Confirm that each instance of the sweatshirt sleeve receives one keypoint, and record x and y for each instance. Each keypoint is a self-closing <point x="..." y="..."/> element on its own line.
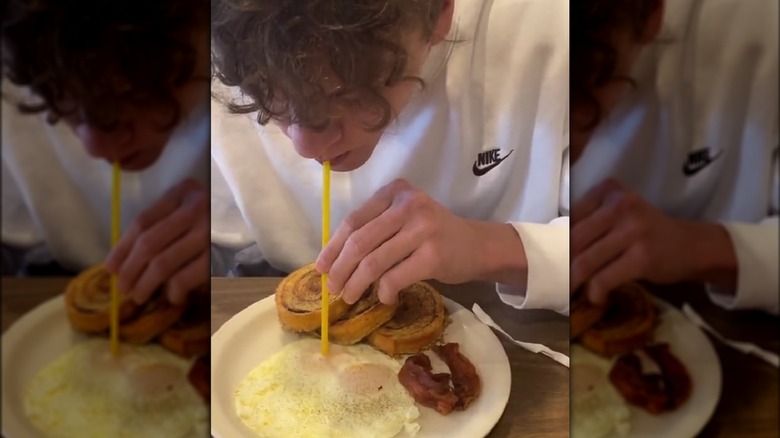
<point x="547" y="253"/>
<point x="18" y="223"/>
<point x="757" y="247"/>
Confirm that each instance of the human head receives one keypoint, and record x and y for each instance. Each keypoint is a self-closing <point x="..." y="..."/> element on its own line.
<point x="121" y="74"/>
<point x="333" y="74"/>
<point x="606" y="38"/>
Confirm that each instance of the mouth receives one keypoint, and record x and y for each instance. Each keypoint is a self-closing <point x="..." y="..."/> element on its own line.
<point x="129" y="160"/>
<point x="137" y="161"/>
<point x="335" y="161"/>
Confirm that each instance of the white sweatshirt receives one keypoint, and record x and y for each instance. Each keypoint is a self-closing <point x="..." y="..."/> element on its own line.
<point x="55" y="194"/>
<point x="698" y="137"/>
<point x="504" y="87"/>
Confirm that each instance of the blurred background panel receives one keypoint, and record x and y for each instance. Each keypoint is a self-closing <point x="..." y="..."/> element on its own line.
<point x="92" y="91"/>
<point x="675" y="191"/>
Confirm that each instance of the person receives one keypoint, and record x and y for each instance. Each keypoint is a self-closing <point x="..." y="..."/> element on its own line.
<point x="445" y="123"/>
<point x="89" y="84"/>
<point x="675" y="147"/>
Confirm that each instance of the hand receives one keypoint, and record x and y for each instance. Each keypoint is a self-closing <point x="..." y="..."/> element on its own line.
<point x="401" y="236"/>
<point x="617" y="237"/>
<point x="168" y="244"/>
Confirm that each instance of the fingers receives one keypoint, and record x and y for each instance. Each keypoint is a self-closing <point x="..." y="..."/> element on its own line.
<point x="170" y="261"/>
<point x="119" y="254"/>
<point x="152" y="249"/>
<point x="375" y="206"/>
<point x="357" y="248"/>
<point x="620" y="271"/>
<point x="162" y="208"/>
<point x="596" y="225"/>
<point x="598" y="255"/>
<point x="165" y="239"/>
<point x="375" y="265"/>
<point x="593" y="200"/>
<point x="194" y="274"/>
<point x="353" y="222"/>
<point x="409" y="271"/>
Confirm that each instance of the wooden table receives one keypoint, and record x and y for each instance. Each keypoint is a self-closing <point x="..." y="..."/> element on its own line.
<point x="20" y="295"/>
<point x="748" y="405"/>
<point x="539" y="400"/>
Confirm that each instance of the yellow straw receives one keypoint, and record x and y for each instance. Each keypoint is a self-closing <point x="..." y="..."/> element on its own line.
<point x="115" y="223"/>
<point x="325" y="238"/>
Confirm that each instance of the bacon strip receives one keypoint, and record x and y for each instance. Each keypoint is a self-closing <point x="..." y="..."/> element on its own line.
<point x="434" y="390"/>
<point x="644" y="391"/>
<point x="653" y="392"/>
<point x="428" y="389"/>
<point x="676" y="378"/>
<point x="465" y="379"/>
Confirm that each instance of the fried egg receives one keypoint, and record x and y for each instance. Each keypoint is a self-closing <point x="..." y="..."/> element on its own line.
<point x="352" y="392"/>
<point x="142" y="392"/>
<point x="598" y="410"/>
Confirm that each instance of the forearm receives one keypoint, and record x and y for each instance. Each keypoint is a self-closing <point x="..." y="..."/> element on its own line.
<point x="501" y="255"/>
<point x="711" y="253"/>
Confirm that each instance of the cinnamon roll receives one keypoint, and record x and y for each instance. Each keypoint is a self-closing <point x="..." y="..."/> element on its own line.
<point x="191" y="335"/>
<point x="628" y="322"/>
<point x="417" y="323"/>
<point x="156" y="315"/>
<point x="365" y="316"/>
<point x="88" y="301"/>
<point x="299" y="301"/>
<point x="584" y="314"/>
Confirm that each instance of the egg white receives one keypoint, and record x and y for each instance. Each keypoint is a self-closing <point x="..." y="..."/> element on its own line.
<point x="143" y="392"/>
<point x="597" y="409"/>
<point x="352" y="392"/>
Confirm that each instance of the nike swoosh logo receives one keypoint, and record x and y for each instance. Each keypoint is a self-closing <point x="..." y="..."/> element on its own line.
<point x="481" y="171"/>
<point x="690" y="169"/>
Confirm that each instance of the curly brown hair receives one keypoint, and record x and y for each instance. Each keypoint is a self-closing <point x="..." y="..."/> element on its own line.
<point x="594" y="25"/>
<point x="92" y="58"/>
<point x="277" y="52"/>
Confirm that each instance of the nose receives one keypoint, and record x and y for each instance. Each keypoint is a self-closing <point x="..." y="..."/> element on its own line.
<point x="315" y="144"/>
<point x="110" y="145"/>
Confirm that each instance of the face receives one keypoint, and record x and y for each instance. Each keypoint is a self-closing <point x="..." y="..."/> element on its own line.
<point x="346" y="142"/>
<point x="142" y="134"/>
<point x="609" y="95"/>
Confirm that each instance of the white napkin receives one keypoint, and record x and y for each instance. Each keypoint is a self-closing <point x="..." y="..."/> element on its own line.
<point x="533" y="348"/>
<point x="744" y="347"/>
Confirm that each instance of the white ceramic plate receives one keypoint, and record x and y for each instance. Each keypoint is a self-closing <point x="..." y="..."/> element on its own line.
<point x="689" y="344"/>
<point x="32" y="342"/>
<point x="254" y="334"/>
